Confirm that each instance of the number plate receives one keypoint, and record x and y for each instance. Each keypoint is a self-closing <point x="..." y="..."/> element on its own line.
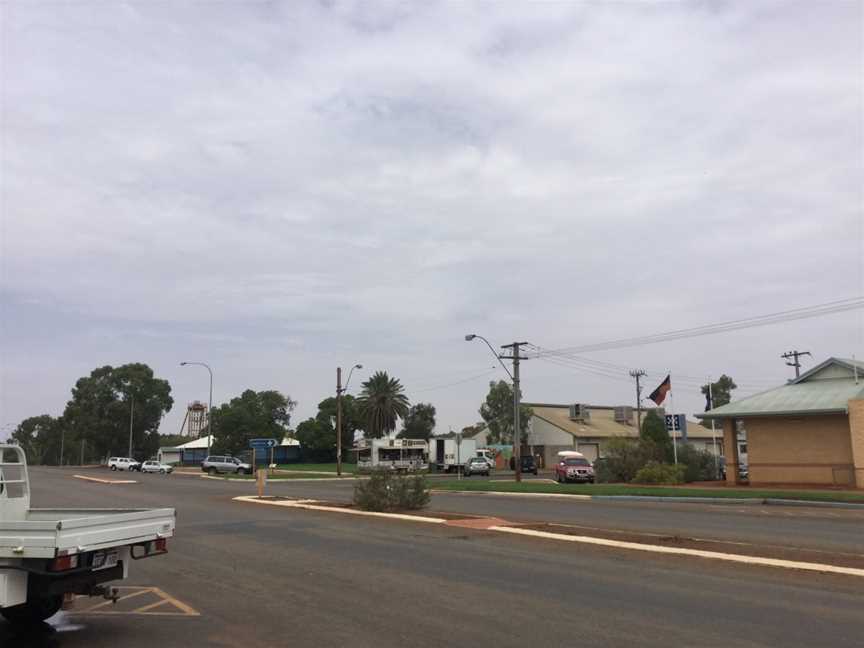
<point x="105" y="559"/>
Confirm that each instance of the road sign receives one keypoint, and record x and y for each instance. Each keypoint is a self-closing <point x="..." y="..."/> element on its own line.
<point x="262" y="444"/>
<point x="677" y="423"/>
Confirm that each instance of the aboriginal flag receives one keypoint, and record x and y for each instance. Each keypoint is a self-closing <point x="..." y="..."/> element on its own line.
<point x="659" y="394"/>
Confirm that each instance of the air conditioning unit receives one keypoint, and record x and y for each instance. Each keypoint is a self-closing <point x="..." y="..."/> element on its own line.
<point x="624" y="414"/>
<point x="580" y="412"/>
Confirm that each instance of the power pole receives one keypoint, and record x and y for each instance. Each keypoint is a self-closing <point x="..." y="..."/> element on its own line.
<point x="637" y="374"/>
<point x="517" y="398"/>
<point x="338" y="421"/>
<point x="795" y="363"/>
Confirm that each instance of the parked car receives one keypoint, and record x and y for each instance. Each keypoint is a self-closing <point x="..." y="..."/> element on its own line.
<point x="477" y="466"/>
<point x="528" y="463"/>
<point x="573" y="468"/>
<point x="156" y="467"/>
<point x="225" y="464"/>
<point x="123" y="463"/>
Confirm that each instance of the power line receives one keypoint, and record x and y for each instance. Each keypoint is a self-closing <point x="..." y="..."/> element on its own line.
<point x="618" y="372"/>
<point x="805" y="312"/>
<point x="458" y="382"/>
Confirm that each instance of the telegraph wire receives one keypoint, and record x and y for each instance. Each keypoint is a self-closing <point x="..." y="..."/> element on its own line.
<point x="805" y="312"/>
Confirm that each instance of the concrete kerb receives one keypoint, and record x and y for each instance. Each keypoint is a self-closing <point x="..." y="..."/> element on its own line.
<point x="310" y="506"/>
<point x="97" y="480"/>
<point x="738" y="501"/>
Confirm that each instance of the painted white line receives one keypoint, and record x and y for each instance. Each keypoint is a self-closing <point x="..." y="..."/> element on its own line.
<point x="554" y="495"/>
<point x="105" y="481"/>
<point x="680" y="551"/>
<point x="305" y="504"/>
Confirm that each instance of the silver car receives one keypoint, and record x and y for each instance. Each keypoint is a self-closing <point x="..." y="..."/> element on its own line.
<point x="225" y="464"/>
<point x="477" y="466"/>
<point x="156" y="467"/>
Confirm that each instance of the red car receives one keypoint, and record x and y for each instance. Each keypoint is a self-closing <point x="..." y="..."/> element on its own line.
<point x="573" y="466"/>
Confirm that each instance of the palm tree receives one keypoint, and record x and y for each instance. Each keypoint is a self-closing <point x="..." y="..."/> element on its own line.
<point x="381" y="402"/>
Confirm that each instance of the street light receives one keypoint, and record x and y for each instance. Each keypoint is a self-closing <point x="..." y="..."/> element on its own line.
<point x="339" y="391"/>
<point x="209" y="403"/>
<point x="471" y="336"/>
<point x="517" y="442"/>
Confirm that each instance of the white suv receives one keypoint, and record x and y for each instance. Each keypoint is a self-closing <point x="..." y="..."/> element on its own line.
<point x="123" y="463"/>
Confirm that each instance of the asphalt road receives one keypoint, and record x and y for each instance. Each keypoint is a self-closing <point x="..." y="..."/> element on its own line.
<point x="267" y="576"/>
<point x="825" y="529"/>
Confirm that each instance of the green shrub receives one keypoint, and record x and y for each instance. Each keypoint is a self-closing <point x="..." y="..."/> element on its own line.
<point x="389" y="491"/>
<point x="654" y="431"/>
<point x="700" y="463"/>
<point x="657" y="473"/>
<point x="622" y="458"/>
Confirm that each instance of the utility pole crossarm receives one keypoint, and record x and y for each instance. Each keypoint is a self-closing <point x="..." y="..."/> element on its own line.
<point x="795" y="354"/>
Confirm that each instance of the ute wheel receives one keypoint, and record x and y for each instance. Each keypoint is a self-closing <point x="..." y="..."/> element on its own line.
<point x="211" y="471"/>
<point x="33" y="611"/>
<point x="161" y="471"/>
<point x="114" y="468"/>
<point x="241" y="471"/>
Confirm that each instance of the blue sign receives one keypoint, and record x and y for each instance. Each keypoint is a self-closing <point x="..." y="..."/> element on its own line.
<point x="677" y="423"/>
<point x="262" y="444"/>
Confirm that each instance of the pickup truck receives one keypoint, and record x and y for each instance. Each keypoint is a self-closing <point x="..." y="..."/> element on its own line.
<point x="47" y="553"/>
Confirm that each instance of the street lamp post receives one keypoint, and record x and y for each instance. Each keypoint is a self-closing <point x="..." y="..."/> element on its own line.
<point x="209" y="402"/>
<point x="517" y="441"/>
<point x="339" y="391"/>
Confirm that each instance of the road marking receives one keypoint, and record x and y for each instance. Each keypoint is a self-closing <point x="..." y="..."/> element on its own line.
<point x="154" y="607"/>
<point x="151" y="606"/>
<point x="105" y="481"/>
<point x="303" y="504"/>
<point x="680" y="551"/>
<point x="104" y="604"/>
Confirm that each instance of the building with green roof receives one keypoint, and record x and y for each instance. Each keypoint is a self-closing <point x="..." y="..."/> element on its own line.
<point x="808" y="431"/>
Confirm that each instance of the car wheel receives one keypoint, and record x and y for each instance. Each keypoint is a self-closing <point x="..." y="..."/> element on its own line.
<point x="241" y="471"/>
<point x="161" y="471"/>
<point x="33" y="611"/>
<point x="114" y="468"/>
<point x="211" y="471"/>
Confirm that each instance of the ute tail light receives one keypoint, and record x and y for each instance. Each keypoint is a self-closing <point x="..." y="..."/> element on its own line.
<point x="157" y="546"/>
<point x="64" y="563"/>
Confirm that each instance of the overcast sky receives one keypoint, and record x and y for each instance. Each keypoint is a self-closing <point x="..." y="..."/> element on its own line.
<point x="280" y="188"/>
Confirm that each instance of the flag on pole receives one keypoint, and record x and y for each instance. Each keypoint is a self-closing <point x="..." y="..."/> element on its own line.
<point x="659" y="394"/>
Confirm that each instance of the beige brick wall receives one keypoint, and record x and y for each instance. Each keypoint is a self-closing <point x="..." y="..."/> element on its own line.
<point x="731" y="451"/>
<point x="856" y="428"/>
<point x="807" y="449"/>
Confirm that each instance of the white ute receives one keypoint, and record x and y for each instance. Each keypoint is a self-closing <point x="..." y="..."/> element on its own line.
<point x="46" y="553"/>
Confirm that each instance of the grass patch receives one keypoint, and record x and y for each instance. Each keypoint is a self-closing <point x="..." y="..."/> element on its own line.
<point x="317" y="467"/>
<point x="649" y="491"/>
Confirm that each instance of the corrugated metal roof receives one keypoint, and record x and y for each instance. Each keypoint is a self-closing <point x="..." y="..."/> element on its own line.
<point x="812" y="393"/>
<point x="602" y="422"/>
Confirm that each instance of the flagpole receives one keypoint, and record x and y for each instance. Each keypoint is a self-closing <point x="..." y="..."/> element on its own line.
<point x="672" y="405"/>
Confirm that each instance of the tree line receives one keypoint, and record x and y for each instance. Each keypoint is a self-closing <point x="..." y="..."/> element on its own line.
<point x="114" y="402"/>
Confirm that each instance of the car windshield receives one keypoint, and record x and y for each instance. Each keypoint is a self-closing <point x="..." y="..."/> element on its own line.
<point x="577" y="461"/>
